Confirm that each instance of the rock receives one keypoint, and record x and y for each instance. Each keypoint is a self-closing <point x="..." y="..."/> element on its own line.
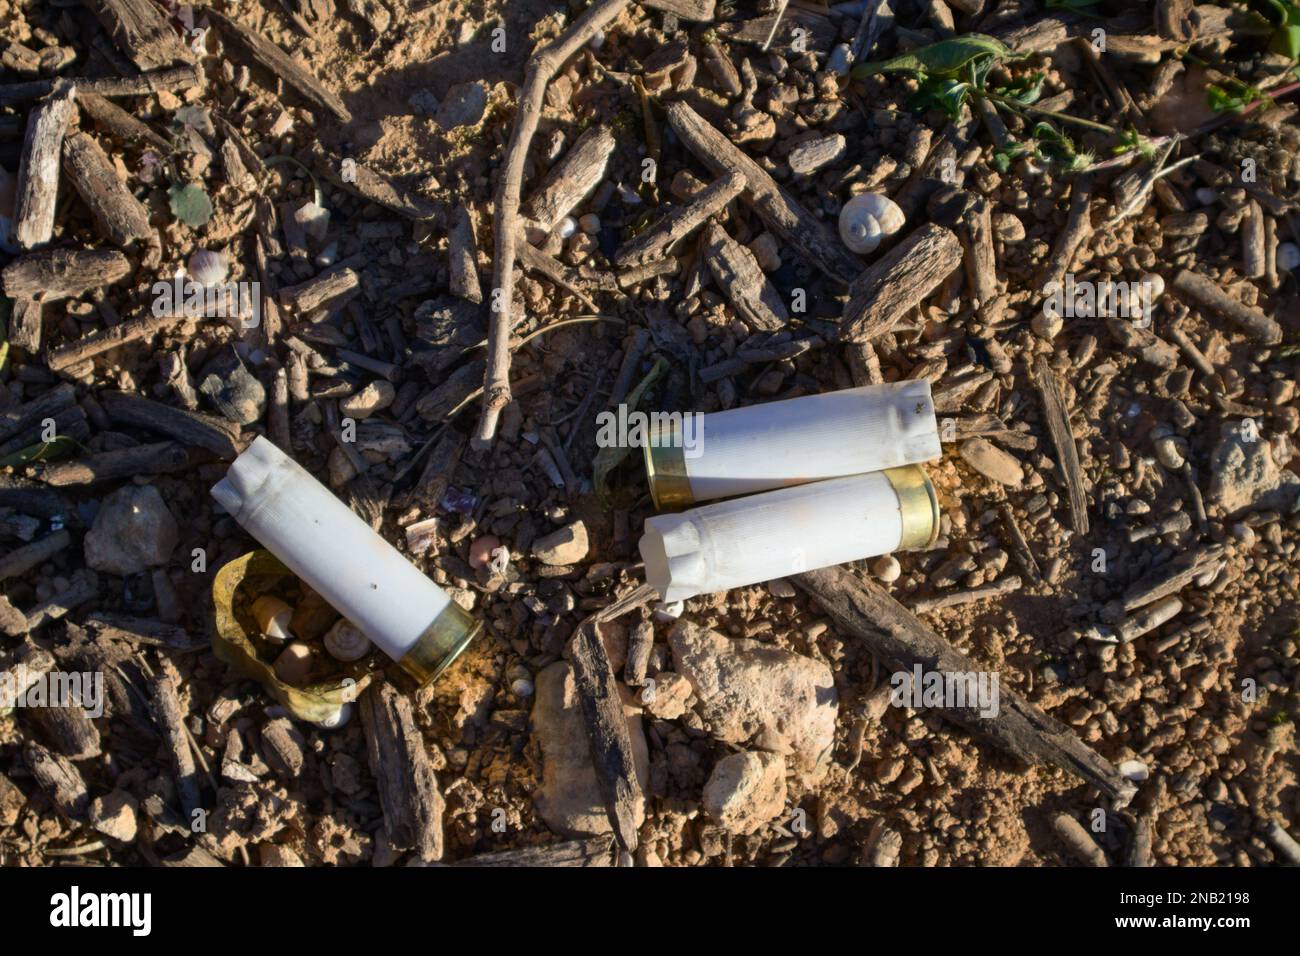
<point x="464" y="105"/>
<point x="666" y="698"/>
<point x="423" y="102"/>
<point x="293" y="666"/>
<point x="745" y="791"/>
<point x="116" y="815"/>
<point x="569" y="799"/>
<point x="752" y="693"/>
<point x="781" y="588"/>
<point x="133" y="532"/>
<point x="886" y="569"/>
<point x="239" y="396"/>
<point x="566" y="546"/>
<point x="812" y="155"/>
<point x="1244" y="476"/>
<point x="271" y="854"/>
<point x="375" y="397"/>
<point x="992" y="462"/>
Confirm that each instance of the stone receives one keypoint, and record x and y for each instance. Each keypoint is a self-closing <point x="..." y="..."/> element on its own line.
<point x="423" y="102"/>
<point x="464" y="105"/>
<point x="375" y="397"/>
<point x="116" y="814"/>
<point x="745" y="791"/>
<point x="1244" y="475"/>
<point x="569" y="799"/>
<point x="272" y="854"/>
<point x="667" y="697"/>
<point x="134" y="531"/>
<point x="568" y="545"/>
<point x="12" y="802"/>
<point x="992" y="462"/>
<point x="754" y="694"/>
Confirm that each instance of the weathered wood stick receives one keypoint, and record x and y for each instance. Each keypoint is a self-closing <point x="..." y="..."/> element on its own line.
<point x="1253" y="253"/>
<point x="170" y="720"/>
<point x="1058" y="425"/>
<point x="151" y="459"/>
<point x="53" y="274"/>
<point x="121" y="218"/>
<point x="700" y="11"/>
<point x="1077" y="840"/>
<point x="1002" y="586"/>
<point x="318" y="290"/>
<point x="1203" y="293"/>
<point x="140" y="31"/>
<point x="59" y="778"/>
<point x="778" y="210"/>
<point x="23" y="668"/>
<point x="592" y="852"/>
<point x="189" y="428"/>
<point x="1078" y="227"/>
<point x="463" y="258"/>
<point x="1019" y="546"/>
<point x="898" y="282"/>
<point x="71" y="423"/>
<point x="107" y="625"/>
<point x="611" y="745"/>
<point x="893" y="633"/>
<point x="353" y="177"/>
<point x="1169" y="578"/>
<point x="399" y="761"/>
<point x="38" y="169"/>
<point x="542" y="66"/>
<point x="738" y="275"/>
<point x="756" y="356"/>
<point x="21" y="560"/>
<point x="535" y="260"/>
<point x="26" y="325"/>
<point x="173" y="78"/>
<point x="116" y="121"/>
<point x="67" y="728"/>
<point x="663" y="233"/>
<point x="97" y="343"/>
<point x="281" y="64"/>
<point x="571" y="179"/>
<point x="83" y="587"/>
<point x="48" y="403"/>
<point x="971" y="215"/>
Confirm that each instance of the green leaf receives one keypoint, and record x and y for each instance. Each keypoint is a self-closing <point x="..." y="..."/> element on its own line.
<point x="41" y="451"/>
<point x="1286" y="39"/>
<point x="944" y="94"/>
<point x="190" y="204"/>
<point x="609" y="458"/>
<point x="1235" y="100"/>
<point x="1024" y="90"/>
<point x="945" y="58"/>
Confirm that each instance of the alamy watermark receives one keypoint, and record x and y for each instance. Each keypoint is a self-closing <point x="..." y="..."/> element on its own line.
<point x="221" y="300"/>
<point x="951" y="690"/>
<point x="23" y="687"/>
<point x="626" y="428"/>
<point x="1070" y="299"/>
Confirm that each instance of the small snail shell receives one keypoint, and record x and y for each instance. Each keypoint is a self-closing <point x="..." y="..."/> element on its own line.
<point x="345" y="642"/>
<point x="337" y="719"/>
<point x="1288" y="256"/>
<point x="208" y="268"/>
<point x="867" y="220"/>
<point x="273" y="617"/>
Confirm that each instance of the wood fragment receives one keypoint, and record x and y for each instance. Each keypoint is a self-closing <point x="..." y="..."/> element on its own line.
<point x="53" y="274"/>
<point x="140" y="30"/>
<point x="1170" y="578"/>
<point x="60" y="779"/>
<point x="349" y="175"/>
<point x="170" y="719"/>
<point x="742" y="281"/>
<point x="21" y="560"/>
<point x="779" y="211"/>
<point x="899" y="638"/>
<point x="97" y="343"/>
<point x="543" y="65"/>
<point x="899" y="281"/>
<point x="1057" y="415"/>
<point x="956" y="598"/>
<point x="1078" y="227"/>
<point x="83" y="587"/>
<point x="571" y="179"/>
<point x="171" y="79"/>
<point x="1077" y="840"/>
<point x="320" y="290"/>
<point x="109" y="625"/>
<point x="658" y="239"/>
<point x="611" y="745"/>
<point x="1202" y="293"/>
<point x="67" y="727"/>
<point x="119" y="216"/>
<point x="1024" y="555"/>
<point x="399" y="761"/>
<point x="698" y="11"/>
<point x="38" y="169"/>
<point x="116" y="121"/>
<point x="149" y="459"/>
<point x="189" y="428"/>
<point x="269" y="56"/>
<point x="463" y="255"/>
<point x="593" y="852"/>
<point x="536" y="261"/>
<point x="26" y="325"/>
<point x="50" y="402"/>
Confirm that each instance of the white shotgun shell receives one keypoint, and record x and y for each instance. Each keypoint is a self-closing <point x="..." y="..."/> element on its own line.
<point x="790" y="442"/>
<point x="365" y="578"/>
<point x="732" y="544"/>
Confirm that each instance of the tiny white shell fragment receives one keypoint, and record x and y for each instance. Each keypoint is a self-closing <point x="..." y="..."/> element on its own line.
<point x="1134" y="770"/>
<point x="522" y="687"/>
<point x="867" y="220"/>
<point x="1207" y="196"/>
<point x="567" y="227"/>
<point x="337" y="719"/>
<point x="345" y="642"/>
<point x="208" y="268"/>
<point x="1288" y="256"/>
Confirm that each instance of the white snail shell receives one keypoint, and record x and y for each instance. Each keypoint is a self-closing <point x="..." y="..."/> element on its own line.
<point x="1288" y="256"/>
<point x="1134" y="770"/>
<point x="345" y="642"/>
<point x="337" y="719"/>
<point x="208" y="268"/>
<point x="867" y="220"/>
